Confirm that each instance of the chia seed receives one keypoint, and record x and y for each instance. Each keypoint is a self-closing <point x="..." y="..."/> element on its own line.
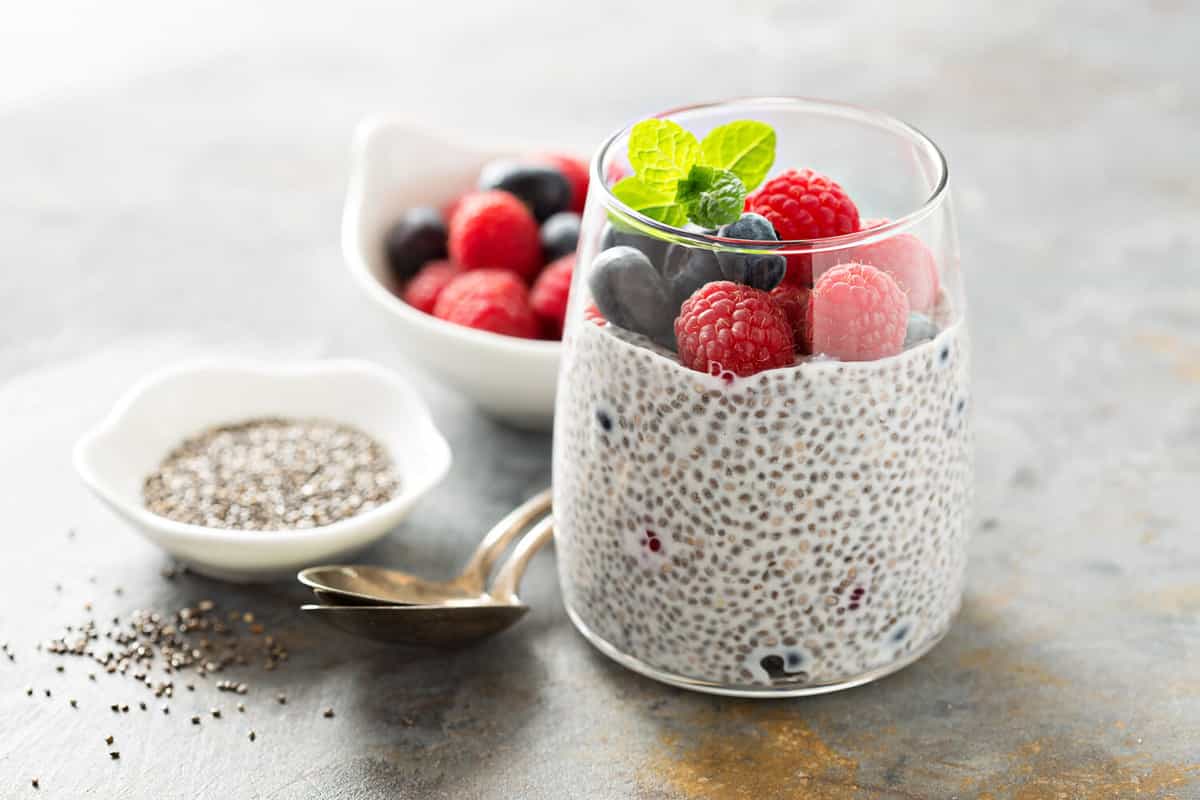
<point x="272" y="474"/>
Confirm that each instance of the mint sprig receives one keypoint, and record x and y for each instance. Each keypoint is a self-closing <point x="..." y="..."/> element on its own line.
<point x="745" y="147"/>
<point x="678" y="178"/>
<point x="661" y="151"/>
<point x="656" y="201"/>
<point x="712" y="197"/>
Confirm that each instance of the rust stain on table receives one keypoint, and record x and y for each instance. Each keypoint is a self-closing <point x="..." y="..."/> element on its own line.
<point x="1053" y="769"/>
<point x="739" y="754"/>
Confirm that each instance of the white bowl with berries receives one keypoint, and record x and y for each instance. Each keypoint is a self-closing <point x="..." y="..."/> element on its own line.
<point x="468" y="250"/>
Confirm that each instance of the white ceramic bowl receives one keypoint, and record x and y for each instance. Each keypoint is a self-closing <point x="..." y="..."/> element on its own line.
<point x="164" y="408"/>
<point x="396" y="166"/>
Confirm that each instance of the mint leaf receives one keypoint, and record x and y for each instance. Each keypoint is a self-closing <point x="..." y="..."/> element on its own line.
<point x="745" y="147"/>
<point x="661" y="152"/>
<point x="712" y="197"/>
<point x="655" y="201"/>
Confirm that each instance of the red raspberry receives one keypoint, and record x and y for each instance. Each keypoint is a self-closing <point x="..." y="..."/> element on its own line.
<point x="489" y="300"/>
<point x="803" y="204"/>
<point x="727" y="327"/>
<point x="859" y="313"/>
<point x="575" y="170"/>
<point x="906" y="258"/>
<point x="423" y="290"/>
<point x="594" y="316"/>
<point x="549" y="295"/>
<point x="796" y="303"/>
<point x="494" y="230"/>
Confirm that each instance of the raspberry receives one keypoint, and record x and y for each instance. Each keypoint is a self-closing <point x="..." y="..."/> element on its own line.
<point x="494" y="230"/>
<point x="489" y="300"/>
<point x="726" y="327"/>
<point x="906" y="258"/>
<point x="594" y="316"/>
<point x="859" y="313"/>
<point x="803" y="204"/>
<point x="796" y="303"/>
<point x="549" y="295"/>
<point x="799" y="271"/>
<point x="423" y="290"/>
<point x="575" y="170"/>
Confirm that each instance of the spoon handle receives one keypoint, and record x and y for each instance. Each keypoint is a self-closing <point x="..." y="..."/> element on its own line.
<point x="501" y="534"/>
<point x="505" y="588"/>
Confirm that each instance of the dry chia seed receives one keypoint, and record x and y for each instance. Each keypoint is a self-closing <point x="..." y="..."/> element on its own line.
<point x="272" y="474"/>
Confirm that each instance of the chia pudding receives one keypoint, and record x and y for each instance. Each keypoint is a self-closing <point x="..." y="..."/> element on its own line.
<point x="762" y="450"/>
<point x="798" y="527"/>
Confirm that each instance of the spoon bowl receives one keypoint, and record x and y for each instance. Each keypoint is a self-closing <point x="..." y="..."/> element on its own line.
<point x="443" y="626"/>
<point x="379" y="586"/>
<point x="454" y="622"/>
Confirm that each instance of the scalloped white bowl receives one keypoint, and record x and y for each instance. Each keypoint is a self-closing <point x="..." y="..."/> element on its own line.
<point x="396" y="165"/>
<point x="164" y="408"/>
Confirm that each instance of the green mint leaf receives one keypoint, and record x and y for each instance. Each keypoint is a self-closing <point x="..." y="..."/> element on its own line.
<point x="711" y="196"/>
<point x="745" y="147"/>
<point x="661" y="152"/>
<point x="655" y="201"/>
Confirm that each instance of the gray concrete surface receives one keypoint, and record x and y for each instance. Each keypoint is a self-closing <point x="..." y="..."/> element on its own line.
<point x="189" y="204"/>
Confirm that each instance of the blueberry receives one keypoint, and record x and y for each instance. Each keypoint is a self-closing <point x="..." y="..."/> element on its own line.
<point x="418" y="236"/>
<point x="763" y="271"/>
<point x="686" y="269"/>
<point x="543" y="188"/>
<point x="631" y="294"/>
<point x="618" y="236"/>
<point x="604" y="419"/>
<point x="750" y="227"/>
<point x="560" y="235"/>
<point x="773" y="666"/>
<point x="920" y="329"/>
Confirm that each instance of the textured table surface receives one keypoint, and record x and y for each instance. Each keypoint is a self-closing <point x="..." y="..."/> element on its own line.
<point x="172" y="182"/>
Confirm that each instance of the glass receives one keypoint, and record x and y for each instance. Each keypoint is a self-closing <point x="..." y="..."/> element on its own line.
<point x="794" y="531"/>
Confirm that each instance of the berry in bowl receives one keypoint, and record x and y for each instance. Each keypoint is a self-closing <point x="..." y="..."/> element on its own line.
<point x="762" y="457"/>
<point x="469" y="251"/>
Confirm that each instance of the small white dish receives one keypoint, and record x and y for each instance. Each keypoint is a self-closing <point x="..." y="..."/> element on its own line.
<point x="395" y="166"/>
<point x="168" y="406"/>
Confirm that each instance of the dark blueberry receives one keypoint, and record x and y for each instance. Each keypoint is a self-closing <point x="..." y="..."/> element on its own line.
<point x="686" y="269"/>
<point x="631" y="294"/>
<point x="541" y="187"/>
<point x="560" y="235"/>
<point x="750" y="227"/>
<point x="615" y="236"/>
<point x="773" y="665"/>
<point x="961" y="405"/>
<point x="900" y="633"/>
<point x="763" y="271"/>
<point x="793" y="659"/>
<point x="604" y="419"/>
<point x="419" y="236"/>
<point x="920" y="329"/>
<point x="944" y="355"/>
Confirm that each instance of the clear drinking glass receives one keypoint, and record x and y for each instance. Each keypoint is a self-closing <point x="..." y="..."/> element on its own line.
<point x="799" y="530"/>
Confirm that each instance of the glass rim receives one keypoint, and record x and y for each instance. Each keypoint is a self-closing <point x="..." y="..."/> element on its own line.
<point x="847" y="111"/>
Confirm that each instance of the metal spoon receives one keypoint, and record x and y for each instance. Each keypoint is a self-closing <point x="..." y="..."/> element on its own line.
<point x="454" y="622"/>
<point x="370" y="586"/>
